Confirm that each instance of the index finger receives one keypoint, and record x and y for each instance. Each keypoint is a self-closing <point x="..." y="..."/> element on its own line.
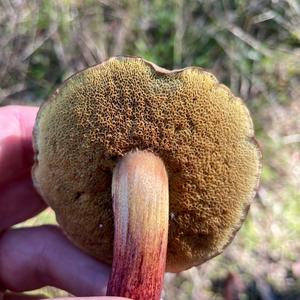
<point x="18" y="198"/>
<point x="16" y="153"/>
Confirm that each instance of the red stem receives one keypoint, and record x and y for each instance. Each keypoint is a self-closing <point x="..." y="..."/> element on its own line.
<point x="141" y="209"/>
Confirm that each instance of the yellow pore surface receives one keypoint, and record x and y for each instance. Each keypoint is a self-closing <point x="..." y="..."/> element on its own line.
<point x="201" y="131"/>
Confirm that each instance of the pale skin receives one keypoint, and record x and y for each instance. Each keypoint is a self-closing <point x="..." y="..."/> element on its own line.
<point x="31" y="258"/>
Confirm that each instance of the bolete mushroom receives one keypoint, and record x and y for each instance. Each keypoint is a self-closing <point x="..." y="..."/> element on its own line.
<point x="178" y="151"/>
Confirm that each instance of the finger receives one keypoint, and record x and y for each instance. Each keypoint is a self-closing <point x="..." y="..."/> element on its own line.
<point x="14" y="296"/>
<point x="19" y="201"/>
<point x="90" y="298"/>
<point x="16" y="154"/>
<point x="31" y="258"/>
<point x="18" y="198"/>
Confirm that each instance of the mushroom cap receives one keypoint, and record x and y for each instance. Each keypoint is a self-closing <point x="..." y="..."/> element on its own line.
<point x="202" y="132"/>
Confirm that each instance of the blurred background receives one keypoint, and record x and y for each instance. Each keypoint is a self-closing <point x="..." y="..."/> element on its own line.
<point x="251" y="46"/>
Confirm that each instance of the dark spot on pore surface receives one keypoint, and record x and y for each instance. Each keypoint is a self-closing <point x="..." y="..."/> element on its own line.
<point x="114" y="158"/>
<point x="78" y="194"/>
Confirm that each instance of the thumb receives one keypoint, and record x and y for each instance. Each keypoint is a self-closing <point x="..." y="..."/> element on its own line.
<point x="31" y="258"/>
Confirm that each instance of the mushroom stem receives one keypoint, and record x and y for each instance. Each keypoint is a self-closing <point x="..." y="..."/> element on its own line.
<point x="141" y="209"/>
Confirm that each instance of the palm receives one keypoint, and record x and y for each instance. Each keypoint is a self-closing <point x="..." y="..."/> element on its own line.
<point x="34" y="257"/>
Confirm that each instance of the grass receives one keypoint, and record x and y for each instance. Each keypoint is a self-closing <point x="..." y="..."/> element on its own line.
<point x="253" y="47"/>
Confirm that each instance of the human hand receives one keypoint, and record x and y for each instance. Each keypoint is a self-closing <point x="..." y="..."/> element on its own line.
<point x="31" y="258"/>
